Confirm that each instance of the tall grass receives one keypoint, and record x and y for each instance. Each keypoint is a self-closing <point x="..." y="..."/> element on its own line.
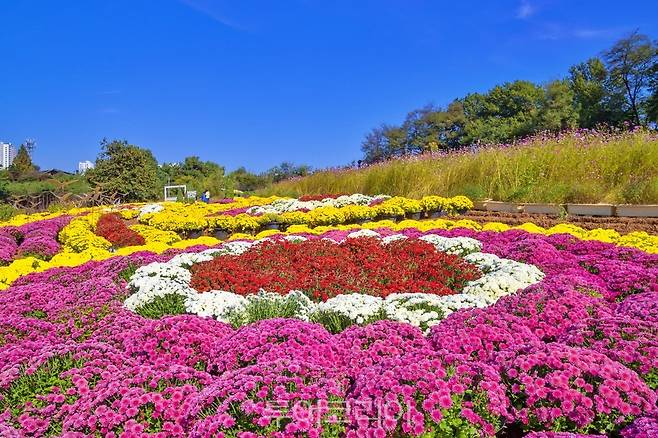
<point x="577" y="166"/>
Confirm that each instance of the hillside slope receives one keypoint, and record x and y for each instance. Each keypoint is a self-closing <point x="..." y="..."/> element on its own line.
<point x="578" y="166"/>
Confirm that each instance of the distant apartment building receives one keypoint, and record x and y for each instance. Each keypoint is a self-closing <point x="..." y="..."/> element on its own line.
<point x="84" y="166"/>
<point x="8" y="154"/>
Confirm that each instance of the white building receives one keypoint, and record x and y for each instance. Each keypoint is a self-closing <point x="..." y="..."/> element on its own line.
<point x="8" y="154"/>
<point x="84" y="166"/>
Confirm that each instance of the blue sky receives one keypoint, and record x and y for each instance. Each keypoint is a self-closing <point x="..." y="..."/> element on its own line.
<point x="254" y="83"/>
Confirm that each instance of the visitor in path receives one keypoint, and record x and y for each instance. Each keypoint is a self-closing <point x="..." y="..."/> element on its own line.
<point x="205" y="196"/>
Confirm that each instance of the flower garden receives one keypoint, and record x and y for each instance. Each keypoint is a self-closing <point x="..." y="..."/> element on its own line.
<point x="324" y="316"/>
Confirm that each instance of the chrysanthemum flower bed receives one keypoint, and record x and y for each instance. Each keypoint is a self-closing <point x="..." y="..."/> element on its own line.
<point x="49" y="240"/>
<point x="552" y="335"/>
<point x="360" y="278"/>
<point x="35" y="239"/>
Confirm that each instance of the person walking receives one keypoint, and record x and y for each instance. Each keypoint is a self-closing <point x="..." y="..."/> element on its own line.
<point x="205" y="196"/>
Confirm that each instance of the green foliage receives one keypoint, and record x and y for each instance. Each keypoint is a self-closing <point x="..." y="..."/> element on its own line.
<point x="652" y="105"/>
<point x="382" y="143"/>
<point x="619" y="169"/>
<point x="37" y="314"/>
<point x="128" y="272"/>
<point x="242" y="181"/>
<point x="126" y="169"/>
<point x="170" y="304"/>
<point x="7" y="212"/>
<point x="245" y="181"/>
<point x="260" y="308"/>
<point x="336" y="322"/>
<point x="633" y="62"/>
<point x="36" y="183"/>
<point x="22" y="166"/>
<point x="197" y="175"/>
<point x="200" y="175"/>
<point x="595" y="102"/>
<point x="557" y="111"/>
<point x="506" y="112"/>
<point x="287" y="170"/>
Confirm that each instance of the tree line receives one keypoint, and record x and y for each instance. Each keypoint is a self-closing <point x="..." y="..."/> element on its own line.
<point x="134" y="172"/>
<point x="619" y="88"/>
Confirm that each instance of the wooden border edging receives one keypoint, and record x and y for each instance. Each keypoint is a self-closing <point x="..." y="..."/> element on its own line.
<point x="602" y="210"/>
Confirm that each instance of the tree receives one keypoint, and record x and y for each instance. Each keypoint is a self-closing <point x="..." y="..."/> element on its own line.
<point x="419" y="130"/>
<point x="557" y="111"/>
<point x="126" y="169"/>
<point x="382" y="143"/>
<point x="447" y="127"/>
<point x="631" y="62"/>
<point x="431" y="129"/>
<point x="287" y="170"/>
<point x="246" y="181"/>
<point x="506" y="112"/>
<point x="596" y="102"/>
<point x="196" y="174"/>
<point x="22" y="166"/>
<point x="652" y="101"/>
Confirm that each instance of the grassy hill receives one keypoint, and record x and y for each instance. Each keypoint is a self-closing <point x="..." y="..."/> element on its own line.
<point x="578" y="166"/>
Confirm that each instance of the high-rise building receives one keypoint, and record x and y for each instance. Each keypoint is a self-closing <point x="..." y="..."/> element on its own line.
<point x="8" y="154"/>
<point x="84" y="166"/>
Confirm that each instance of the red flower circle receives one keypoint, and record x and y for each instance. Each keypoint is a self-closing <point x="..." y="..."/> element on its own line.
<point x="324" y="269"/>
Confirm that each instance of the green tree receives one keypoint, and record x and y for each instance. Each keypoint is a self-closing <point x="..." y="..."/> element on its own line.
<point x="652" y="101"/>
<point x="197" y="175"/>
<point x="596" y="102"/>
<point x="382" y="143"/>
<point x="246" y="181"/>
<point x="430" y="129"/>
<point x="448" y="127"/>
<point x="632" y="62"/>
<point x="506" y="112"/>
<point x="419" y="130"/>
<point x="126" y="169"/>
<point x="22" y="167"/>
<point x="557" y="111"/>
<point x="287" y="170"/>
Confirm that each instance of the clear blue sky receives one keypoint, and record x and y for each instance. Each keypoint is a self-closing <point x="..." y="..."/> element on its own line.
<point x="253" y="83"/>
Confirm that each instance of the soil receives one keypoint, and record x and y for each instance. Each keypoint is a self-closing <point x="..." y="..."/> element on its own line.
<point x="623" y="225"/>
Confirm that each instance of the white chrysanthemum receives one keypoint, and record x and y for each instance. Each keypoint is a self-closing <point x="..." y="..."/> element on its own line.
<point x="263" y="240"/>
<point x="501" y="276"/>
<point x="235" y="247"/>
<point x="186" y="260"/>
<point x="453" y="245"/>
<point x="357" y="307"/>
<point x="150" y="208"/>
<point x="157" y="280"/>
<point x="217" y="304"/>
<point x="363" y="233"/>
<point x="393" y="238"/>
<point x="280" y="206"/>
<point x="426" y="310"/>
